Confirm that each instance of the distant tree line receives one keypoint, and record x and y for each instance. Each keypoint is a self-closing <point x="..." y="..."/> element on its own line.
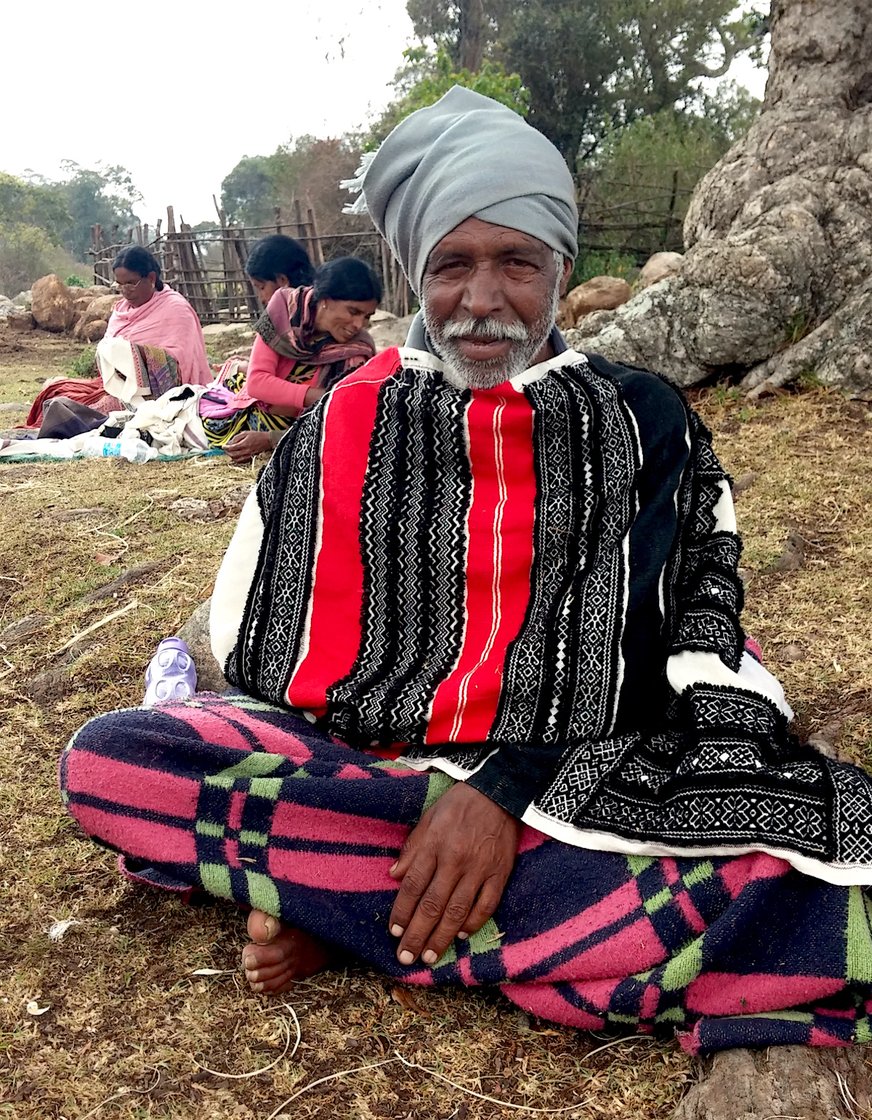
<point x="618" y="85"/>
<point x="45" y="225"/>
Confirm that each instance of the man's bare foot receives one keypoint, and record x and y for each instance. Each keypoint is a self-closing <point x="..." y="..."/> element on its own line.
<point x="278" y="954"/>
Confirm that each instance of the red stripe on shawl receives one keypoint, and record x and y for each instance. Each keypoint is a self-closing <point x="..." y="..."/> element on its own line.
<point x="621" y="903"/>
<point x="823" y="1038"/>
<point x="135" y="836"/>
<point x="736" y="874"/>
<point x="728" y="993"/>
<point x="626" y="950"/>
<point x="337" y="592"/>
<point x="224" y="724"/>
<point x="500" y="528"/>
<point x="135" y="787"/>
<point x="340" y="872"/>
<point x="546" y="1002"/>
<point x="236" y="809"/>
<point x="331" y="826"/>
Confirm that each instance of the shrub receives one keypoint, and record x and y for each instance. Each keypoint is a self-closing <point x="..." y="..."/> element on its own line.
<point x="609" y="263"/>
<point x="24" y="255"/>
<point x="83" y="365"/>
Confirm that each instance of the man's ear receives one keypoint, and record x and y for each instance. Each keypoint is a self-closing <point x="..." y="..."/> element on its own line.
<point x="567" y="272"/>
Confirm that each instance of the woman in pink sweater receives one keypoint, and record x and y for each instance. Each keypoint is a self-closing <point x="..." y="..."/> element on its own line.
<point x="307" y="339"/>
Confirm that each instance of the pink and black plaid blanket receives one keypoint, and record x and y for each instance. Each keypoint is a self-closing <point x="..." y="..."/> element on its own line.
<point x="251" y="803"/>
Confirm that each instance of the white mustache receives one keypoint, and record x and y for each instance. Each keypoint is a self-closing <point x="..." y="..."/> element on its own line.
<point x="489" y="330"/>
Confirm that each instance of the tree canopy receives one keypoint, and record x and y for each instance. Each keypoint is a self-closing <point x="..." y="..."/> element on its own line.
<point x="308" y="170"/>
<point x="104" y="196"/>
<point x="589" y="67"/>
<point x="45" y="225"/>
<point x="425" y="77"/>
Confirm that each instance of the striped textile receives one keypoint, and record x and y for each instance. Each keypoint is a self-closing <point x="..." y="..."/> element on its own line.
<point x="252" y="803"/>
<point x="534" y="588"/>
<point x="252" y="417"/>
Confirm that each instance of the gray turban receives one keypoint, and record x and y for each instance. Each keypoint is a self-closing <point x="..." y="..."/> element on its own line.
<point x="467" y="157"/>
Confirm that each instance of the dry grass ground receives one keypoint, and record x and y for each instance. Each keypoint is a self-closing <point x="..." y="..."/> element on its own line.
<point x="128" y="1024"/>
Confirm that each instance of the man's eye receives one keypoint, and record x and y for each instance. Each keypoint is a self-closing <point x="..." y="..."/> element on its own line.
<point x="450" y="267"/>
<point x="517" y="267"/>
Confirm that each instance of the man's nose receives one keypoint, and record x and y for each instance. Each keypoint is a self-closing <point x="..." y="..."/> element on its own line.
<point x="482" y="294"/>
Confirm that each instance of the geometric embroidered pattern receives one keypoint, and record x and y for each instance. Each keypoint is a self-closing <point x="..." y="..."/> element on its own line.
<point x="580" y="683"/>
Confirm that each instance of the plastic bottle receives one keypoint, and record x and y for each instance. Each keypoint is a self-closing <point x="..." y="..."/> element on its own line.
<point x="128" y="447"/>
<point x="96" y="447"/>
<point x="171" y="674"/>
<point x="135" y="450"/>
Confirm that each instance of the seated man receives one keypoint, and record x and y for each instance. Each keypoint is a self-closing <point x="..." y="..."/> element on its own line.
<point x="497" y="722"/>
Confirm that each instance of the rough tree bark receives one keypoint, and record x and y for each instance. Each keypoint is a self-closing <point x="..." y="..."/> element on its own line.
<point x="785" y="1081"/>
<point x="777" y="279"/>
<point x="472" y="20"/>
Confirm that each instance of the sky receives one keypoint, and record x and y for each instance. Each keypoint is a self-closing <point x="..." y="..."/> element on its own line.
<point x="178" y="91"/>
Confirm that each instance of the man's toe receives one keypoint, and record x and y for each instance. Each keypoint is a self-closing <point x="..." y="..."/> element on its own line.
<point x="262" y="927"/>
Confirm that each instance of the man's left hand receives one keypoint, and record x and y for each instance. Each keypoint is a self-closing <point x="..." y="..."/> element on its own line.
<point x="453" y="868"/>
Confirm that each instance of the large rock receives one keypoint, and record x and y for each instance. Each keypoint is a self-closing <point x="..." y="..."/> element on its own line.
<point x="19" y="320"/>
<point x="640" y="333"/>
<point x="602" y="293"/>
<point x="93" y="331"/>
<point x="7" y="307"/>
<point x="657" y="268"/>
<point x="82" y="297"/>
<point x="387" y="330"/>
<point x="94" y="316"/>
<point x="196" y="633"/>
<point x="52" y="305"/>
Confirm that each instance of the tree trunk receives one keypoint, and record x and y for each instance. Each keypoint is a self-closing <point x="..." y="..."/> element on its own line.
<point x="784" y="1081"/>
<point x="471" y="35"/>
<point x="777" y="278"/>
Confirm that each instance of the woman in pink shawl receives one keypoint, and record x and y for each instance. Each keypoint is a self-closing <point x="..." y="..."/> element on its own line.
<point x="307" y="339"/>
<point x="153" y="343"/>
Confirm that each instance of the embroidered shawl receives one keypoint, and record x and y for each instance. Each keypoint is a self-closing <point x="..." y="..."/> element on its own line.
<point x="133" y="373"/>
<point x="533" y="588"/>
<point x="288" y="327"/>
<point x="167" y="321"/>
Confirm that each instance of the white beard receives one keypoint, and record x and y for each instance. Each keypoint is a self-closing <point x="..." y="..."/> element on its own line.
<point x="466" y="373"/>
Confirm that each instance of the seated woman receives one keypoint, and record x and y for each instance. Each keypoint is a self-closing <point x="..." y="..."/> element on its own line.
<point x="307" y="339"/>
<point x="277" y="262"/>
<point x="154" y="335"/>
<point x="153" y="342"/>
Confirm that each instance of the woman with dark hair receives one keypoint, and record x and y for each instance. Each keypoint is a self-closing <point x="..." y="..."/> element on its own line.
<point x="153" y="343"/>
<point x="307" y="339"/>
<point x="277" y="262"/>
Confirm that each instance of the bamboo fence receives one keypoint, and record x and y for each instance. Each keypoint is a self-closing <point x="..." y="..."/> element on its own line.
<point x="208" y="265"/>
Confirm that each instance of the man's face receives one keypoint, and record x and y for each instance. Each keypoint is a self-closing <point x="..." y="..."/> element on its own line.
<point x="489" y="298"/>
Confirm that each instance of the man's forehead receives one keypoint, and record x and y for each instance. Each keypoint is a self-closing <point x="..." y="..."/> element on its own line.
<point x="477" y="235"/>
